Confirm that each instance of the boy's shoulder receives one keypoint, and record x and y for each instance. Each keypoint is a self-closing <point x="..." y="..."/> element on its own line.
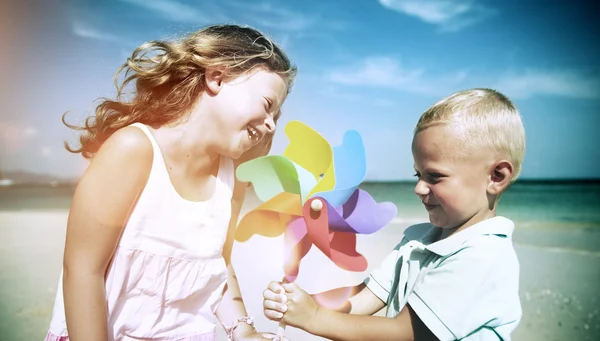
<point x="488" y="234"/>
<point x="424" y="233"/>
<point x="418" y="231"/>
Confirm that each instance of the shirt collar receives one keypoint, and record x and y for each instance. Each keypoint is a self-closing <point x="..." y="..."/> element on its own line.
<point x="499" y="226"/>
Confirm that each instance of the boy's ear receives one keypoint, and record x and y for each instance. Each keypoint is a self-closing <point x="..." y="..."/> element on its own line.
<point x="501" y="173"/>
<point x="214" y="80"/>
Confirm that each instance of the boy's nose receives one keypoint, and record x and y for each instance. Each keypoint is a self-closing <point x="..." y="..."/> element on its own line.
<point x="421" y="188"/>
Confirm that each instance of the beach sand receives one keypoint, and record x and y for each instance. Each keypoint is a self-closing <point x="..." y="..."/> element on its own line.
<point x="560" y="275"/>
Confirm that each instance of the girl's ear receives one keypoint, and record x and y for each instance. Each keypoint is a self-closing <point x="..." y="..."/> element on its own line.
<point x="501" y="173"/>
<point x="214" y="80"/>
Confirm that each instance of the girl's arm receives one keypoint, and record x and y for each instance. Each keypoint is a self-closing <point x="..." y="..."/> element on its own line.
<point x="232" y="306"/>
<point x="103" y="200"/>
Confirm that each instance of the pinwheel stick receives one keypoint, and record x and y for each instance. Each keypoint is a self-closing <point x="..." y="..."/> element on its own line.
<point x="316" y="205"/>
<point x="281" y="327"/>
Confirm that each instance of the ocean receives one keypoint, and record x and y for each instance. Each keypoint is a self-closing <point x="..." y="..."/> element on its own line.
<point x="526" y="201"/>
<point x="557" y="240"/>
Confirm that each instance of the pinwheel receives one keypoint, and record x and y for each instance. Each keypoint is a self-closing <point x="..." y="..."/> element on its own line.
<point x="310" y="194"/>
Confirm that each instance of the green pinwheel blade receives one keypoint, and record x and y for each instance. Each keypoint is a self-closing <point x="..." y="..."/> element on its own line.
<point x="273" y="174"/>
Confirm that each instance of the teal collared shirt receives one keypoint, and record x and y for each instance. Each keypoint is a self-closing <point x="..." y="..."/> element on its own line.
<point x="464" y="287"/>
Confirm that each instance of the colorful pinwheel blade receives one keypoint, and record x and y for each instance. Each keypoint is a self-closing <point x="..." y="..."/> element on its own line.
<point x="350" y="165"/>
<point x="311" y="151"/>
<point x="274" y="174"/>
<point x="344" y="254"/>
<point x="297" y="245"/>
<point x="270" y="218"/>
<point x="339" y="247"/>
<point x="361" y="214"/>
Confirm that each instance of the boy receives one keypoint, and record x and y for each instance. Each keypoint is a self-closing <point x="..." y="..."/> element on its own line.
<point x="456" y="278"/>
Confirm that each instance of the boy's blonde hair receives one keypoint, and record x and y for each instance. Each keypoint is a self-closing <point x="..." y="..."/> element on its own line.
<point x="483" y="118"/>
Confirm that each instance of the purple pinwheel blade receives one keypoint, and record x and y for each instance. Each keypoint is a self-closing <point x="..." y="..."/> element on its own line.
<point x="361" y="214"/>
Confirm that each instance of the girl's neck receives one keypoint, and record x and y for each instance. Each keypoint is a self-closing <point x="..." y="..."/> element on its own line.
<point x="189" y="149"/>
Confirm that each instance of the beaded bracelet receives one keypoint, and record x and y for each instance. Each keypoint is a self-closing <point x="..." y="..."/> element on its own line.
<point x="244" y="319"/>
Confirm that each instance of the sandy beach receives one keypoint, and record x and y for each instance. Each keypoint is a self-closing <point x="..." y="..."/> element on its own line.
<point x="559" y="275"/>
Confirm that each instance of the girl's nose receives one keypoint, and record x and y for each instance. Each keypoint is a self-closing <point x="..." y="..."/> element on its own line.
<point x="270" y="124"/>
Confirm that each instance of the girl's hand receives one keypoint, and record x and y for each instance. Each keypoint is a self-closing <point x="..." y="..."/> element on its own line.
<point x="274" y="300"/>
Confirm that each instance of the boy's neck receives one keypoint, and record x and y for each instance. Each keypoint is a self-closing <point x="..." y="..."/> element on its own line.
<point x="447" y="232"/>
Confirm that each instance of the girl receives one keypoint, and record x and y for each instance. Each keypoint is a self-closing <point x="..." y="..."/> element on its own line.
<point x="150" y="230"/>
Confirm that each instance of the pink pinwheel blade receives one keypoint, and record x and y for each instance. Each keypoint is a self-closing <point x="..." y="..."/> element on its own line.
<point x="344" y="254"/>
<point x="297" y="245"/>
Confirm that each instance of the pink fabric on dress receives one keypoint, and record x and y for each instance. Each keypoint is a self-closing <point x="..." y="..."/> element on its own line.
<point x="167" y="275"/>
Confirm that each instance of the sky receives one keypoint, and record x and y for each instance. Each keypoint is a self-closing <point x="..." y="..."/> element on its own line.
<point x="369" y="65"/>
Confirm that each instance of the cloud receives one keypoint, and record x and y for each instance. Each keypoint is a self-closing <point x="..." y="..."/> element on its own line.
<point x="14" y="136"/>
<point x="336" y="92"/>
<point x="85" y="30"/>
<point x="389" y="73"/>
<point x="275" y="16"/>
<point x="46" y="151"/>
<point x="386" y="72"/>
<point x="173" y="10"/>
<point x="376" y="71"/>
<point x="264" y="14"/>
<point x="448" y="15"/>
<point x="563" y="83"/>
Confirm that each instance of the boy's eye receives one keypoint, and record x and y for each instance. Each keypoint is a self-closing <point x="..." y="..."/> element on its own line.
<point x="434" y="177"/>
<point x="430" y="177"/>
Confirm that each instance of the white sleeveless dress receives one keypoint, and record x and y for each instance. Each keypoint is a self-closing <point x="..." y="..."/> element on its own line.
<point x="167" y="274"/>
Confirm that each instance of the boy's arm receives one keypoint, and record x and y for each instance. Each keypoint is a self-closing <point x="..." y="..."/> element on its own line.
<point x="343" y="327"/>
<point x="357" y="300"/>
<point x="362" y="299"/>
<point x="304" y="313"/>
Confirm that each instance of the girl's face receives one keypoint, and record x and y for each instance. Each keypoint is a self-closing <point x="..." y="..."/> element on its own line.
<point x="244" y="109"/>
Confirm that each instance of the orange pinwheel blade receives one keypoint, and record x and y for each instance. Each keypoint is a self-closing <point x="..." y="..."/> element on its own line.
<point x="270" y="218"/>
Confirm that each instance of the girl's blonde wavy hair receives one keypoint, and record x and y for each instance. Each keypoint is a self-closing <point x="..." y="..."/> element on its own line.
<point x="169" y="78"/>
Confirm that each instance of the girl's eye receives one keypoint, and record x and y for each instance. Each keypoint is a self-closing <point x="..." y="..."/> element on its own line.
<point x="269" y="104"/>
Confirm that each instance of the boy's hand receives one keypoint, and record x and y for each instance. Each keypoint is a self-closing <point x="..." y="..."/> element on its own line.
<point x="295" y="308"/>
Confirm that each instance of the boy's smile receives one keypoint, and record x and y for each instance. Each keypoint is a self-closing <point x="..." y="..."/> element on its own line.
<point x="451" y="186"/>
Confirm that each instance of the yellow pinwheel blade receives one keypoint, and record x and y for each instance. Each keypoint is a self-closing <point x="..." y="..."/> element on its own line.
<point x="311" y="151"/>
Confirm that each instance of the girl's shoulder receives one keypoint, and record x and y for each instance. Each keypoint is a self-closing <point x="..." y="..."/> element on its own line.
<point x="128" y="147"/>
<point x="129" y="141"/>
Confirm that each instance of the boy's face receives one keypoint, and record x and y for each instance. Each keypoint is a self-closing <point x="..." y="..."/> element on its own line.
<point x="451" y="186"/>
